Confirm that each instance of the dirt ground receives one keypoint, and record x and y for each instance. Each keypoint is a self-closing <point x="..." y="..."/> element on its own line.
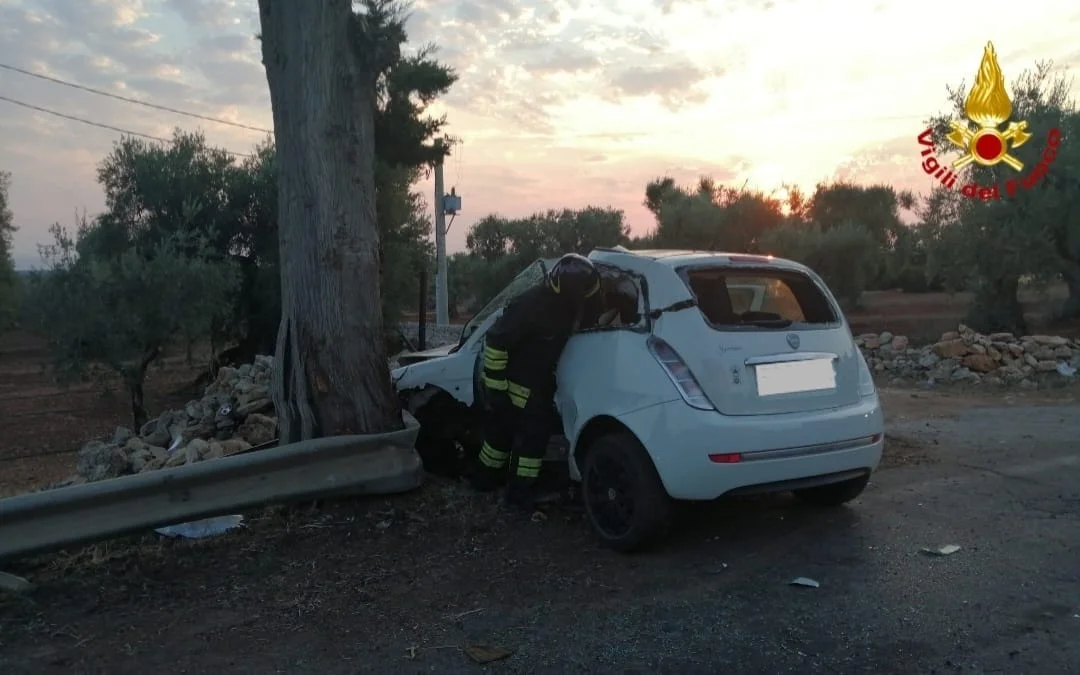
<point x="42" y="425"/>
<point x="925" y="316"/>
<point x="403" y="584"/>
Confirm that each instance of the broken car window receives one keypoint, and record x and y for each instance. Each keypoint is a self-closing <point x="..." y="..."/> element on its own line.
<point x="529" y="277"/>
<point x="758" y="297"/>
<point x="618" y="305"/>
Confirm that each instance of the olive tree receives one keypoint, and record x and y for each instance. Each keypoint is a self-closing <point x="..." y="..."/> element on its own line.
<point x="123" y="306"/>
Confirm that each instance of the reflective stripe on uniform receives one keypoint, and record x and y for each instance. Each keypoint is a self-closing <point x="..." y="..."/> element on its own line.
<point x="495" y="359"/>
<point x="519" y="395"/>
<point x="495" y="384"/>
<point x="489" y="456"/>
<point x="529" y="467"/>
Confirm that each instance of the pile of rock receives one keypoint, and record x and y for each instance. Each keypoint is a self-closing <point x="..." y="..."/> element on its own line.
<point x="966" y="356"/>
<point x="234" y="414"/>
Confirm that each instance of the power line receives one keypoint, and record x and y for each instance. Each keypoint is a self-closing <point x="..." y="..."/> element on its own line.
<point x="118" y="97"/>
<point x="100" y="125"/>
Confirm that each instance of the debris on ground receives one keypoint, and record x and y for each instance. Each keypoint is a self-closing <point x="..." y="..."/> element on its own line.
<point x="948" y="549"/>
<point x="201" y="529"/>
<point x="486" y="653"/>
<point x="805" y="581"/>
<point x="15" y="584"/>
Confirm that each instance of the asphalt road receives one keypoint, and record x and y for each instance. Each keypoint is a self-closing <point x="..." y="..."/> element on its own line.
<point x="1002" y="483"/>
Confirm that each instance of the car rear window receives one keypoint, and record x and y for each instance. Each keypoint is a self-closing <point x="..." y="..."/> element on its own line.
<point x="758" y="298"/>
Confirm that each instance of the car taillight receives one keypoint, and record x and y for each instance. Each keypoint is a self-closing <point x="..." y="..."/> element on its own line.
<point x="866" y="380"/>
<point x="679" y="373"/>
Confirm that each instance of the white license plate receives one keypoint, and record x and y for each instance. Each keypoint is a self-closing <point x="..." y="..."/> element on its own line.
<point x="794" y="377"/>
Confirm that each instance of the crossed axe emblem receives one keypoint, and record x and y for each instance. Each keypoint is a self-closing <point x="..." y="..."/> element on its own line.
<point x="987" y="145"/>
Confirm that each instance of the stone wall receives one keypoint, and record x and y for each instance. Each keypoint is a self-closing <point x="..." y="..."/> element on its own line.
<point x="966" y="356"/>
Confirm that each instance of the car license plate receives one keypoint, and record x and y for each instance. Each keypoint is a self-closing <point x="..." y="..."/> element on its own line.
<point x="793" y="377"/>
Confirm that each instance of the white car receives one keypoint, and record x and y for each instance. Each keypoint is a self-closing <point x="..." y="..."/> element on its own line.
<point x="710" y="374"/>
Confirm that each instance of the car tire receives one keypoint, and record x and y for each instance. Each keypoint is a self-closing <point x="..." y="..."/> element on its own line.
<point x="834" y="494"/>
<point x="443" y="442"/>
<point x="625" y="501"/>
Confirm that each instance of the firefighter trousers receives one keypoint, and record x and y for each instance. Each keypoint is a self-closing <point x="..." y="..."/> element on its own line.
<point x="520" y="434"/>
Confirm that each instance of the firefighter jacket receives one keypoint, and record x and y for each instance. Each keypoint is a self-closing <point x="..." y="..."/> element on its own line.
<point x="522" y="348"/>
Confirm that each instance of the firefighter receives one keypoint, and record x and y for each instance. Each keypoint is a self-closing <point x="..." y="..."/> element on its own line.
<point x="521" y="353"/>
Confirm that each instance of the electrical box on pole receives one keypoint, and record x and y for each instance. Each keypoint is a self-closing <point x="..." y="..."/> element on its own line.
<point x="452" y="202"/>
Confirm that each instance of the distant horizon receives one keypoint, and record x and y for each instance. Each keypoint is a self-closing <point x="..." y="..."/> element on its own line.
<point x="21" y="262"/>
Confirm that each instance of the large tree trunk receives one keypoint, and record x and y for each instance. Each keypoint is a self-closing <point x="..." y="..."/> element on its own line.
<point x="331" y="371"/>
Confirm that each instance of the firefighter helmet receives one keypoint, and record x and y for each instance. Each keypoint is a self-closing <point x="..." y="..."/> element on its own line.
<point x="574" y="277"/>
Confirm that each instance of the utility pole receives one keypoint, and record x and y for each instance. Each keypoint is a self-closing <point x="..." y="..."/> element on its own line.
<point x="442" y="310"/>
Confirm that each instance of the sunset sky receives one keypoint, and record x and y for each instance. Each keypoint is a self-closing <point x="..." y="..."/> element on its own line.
<point x="560" y="104"/>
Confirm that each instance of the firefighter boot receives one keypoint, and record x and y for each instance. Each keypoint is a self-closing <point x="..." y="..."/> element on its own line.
<point x="483" y="478"/>
<point x="488" y="468"/>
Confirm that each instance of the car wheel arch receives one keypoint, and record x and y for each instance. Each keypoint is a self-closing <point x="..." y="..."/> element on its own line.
<point x="416" y="398"/>
<point x="598" y="426"/>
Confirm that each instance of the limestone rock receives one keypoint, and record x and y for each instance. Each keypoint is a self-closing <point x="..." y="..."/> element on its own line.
<point x="1050" y="340"/>
<point x="101" y="461"/>
<point x="258" y="429"/>
<point x="234" y="446"/>
<point x="951" y="348"/>
<point x="980" y="363"/>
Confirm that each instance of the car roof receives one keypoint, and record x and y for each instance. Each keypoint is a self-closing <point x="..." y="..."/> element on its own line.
<point x="680" y="258"/>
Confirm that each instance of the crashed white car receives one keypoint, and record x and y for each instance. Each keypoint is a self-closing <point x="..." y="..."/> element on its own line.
<point x="709" y="374"/>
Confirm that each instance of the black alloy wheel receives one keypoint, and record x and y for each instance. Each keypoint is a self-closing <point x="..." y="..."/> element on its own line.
<point x="625" y="500"/>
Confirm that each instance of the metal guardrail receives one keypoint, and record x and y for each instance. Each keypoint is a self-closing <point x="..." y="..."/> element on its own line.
<point x="324" y="467"/>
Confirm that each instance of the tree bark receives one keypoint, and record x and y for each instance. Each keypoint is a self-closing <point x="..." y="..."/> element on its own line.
<point x="1070" y="309"/>
<point x="997" y="307"/>
<point x="331" y="371"/>
<point x="134" y="377"/>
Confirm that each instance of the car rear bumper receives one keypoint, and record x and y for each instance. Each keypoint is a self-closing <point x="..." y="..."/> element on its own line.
<point x="776" y="452"/>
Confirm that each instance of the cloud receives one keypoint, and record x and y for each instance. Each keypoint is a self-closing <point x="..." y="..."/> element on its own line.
<point x="565" y="58"/>
<point x="676" y="84"/>
<point x="205" y="14"/>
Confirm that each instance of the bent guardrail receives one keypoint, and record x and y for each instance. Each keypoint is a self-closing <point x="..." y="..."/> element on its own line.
<point x="324" y="467"/>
